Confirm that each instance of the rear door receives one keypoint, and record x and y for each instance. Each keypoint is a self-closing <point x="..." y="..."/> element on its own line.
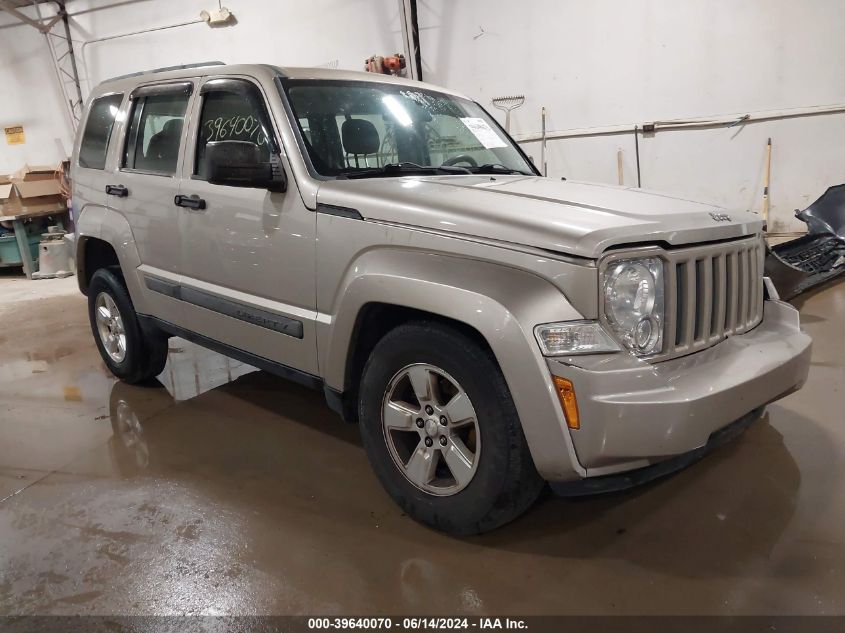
<point x="145" y="184"/>
<point x="89" y="171"/>
<point x="248" y="255"/>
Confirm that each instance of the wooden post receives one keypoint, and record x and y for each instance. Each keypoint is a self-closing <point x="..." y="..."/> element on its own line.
<point x="766" y="180"/>
<point x="619" y="171"/>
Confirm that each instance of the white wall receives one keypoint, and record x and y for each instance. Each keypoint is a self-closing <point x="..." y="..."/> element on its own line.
<point x="285" y="33"/>
<point x="591" y="63"/>
<point x="608" y="62"/>
<point x="29" y="96"/>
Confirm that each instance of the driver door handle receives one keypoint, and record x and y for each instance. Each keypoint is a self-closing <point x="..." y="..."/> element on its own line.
<point x="190" y="202"/>
<point x="117" y="190"/>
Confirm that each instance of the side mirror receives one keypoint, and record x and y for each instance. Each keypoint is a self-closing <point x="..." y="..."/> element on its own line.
<point x="239" y="164"/>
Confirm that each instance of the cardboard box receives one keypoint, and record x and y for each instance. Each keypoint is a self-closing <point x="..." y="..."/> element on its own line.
<point x="33" y="196"/>
<point x="30" y="173"/>
<point x="6" y="193"/>
<point x="32" y="189"/>
<point x="39" y="195"/>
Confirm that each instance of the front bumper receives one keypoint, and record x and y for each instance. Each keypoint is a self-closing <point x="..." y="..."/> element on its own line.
<point x="640" y="476"/>
<point x="635" y="414"/>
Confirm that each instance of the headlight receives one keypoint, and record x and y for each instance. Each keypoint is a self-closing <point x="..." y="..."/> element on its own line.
<point x="632" y="291"/>
<point x="574" y="337"/>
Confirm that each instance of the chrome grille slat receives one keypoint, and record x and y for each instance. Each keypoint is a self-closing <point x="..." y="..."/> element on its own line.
<point x="733" y="293"/>
<point x="712" y="292"/>
<point x="742" y="318"/>
<point x="706" y="296"/>
<point x="719" y="299"/>
<point x="671" y="307"/>
<point x="689" y="304"/>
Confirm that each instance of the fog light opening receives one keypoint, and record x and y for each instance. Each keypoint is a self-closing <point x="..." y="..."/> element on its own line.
<point x="568" y="402"/>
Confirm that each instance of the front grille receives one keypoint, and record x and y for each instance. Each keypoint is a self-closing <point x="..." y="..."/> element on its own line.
<point x="711" y="292"/>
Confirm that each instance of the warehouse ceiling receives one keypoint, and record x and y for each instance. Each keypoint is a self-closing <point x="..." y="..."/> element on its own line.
<point x="12" y="6"/>
<point x="17" y="4"/>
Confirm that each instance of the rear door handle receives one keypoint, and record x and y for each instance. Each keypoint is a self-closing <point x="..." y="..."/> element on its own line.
<point x="117" y="190"/>
<point x="191" y="202"/>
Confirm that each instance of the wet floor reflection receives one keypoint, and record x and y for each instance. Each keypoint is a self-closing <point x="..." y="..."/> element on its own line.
<point x="221" y="489"/>
<point x="192" y="370"/>
<point x="289" y="459"/>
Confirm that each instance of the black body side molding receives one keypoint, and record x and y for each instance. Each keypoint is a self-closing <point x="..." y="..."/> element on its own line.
<point x="342" y="212"/>
<point x="167" y="288"/>
<point x="234" y="309"/>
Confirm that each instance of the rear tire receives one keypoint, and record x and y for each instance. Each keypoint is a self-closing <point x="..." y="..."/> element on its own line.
<point x="129" y="352"/>
<point x="466" y="475"/>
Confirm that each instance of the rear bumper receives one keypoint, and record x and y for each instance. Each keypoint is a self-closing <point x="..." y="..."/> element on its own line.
<point x="635" y="414"/>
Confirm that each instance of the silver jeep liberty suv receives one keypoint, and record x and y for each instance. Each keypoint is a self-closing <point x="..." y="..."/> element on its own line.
<point x="386" y="242"/>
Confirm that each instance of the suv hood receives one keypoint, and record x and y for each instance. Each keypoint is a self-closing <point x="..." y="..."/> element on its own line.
<point x="574" y="218"/>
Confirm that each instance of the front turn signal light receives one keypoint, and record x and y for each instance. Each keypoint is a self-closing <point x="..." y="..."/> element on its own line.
<point x="568" y="402"/>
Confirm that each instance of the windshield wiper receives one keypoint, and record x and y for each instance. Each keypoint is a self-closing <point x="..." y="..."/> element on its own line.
<point x="393" y="169"/>
<point x="498" y="168"/>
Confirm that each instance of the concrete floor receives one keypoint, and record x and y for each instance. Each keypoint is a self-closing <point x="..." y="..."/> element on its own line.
<point x="230" y="491"/>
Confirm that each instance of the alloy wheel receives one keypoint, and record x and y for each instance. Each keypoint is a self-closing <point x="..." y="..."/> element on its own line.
<point x="110" y="327"/>
<point x="431" y="429"/>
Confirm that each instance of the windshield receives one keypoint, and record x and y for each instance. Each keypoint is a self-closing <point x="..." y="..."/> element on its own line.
<point x="356" y="128"/>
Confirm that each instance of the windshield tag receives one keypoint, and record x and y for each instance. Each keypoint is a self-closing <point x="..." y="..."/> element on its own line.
<point x="483" y="132"/>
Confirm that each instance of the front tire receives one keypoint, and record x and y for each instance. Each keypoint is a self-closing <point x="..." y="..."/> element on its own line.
<point x="130" y="354"/>
<point x="442" y="432"/>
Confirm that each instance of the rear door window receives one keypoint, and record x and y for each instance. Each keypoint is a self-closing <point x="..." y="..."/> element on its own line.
<point x="98" y="127"/>
<point x="155" y="133"/>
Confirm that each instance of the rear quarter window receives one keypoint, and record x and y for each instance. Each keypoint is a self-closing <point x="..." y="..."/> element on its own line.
<point x="98" y="127"/>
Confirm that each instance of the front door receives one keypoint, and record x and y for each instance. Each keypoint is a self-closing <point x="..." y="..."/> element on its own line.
<point x="247" y="255"/>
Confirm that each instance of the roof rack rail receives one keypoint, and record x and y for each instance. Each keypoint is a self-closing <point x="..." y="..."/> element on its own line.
<point x="165" y="69"/>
